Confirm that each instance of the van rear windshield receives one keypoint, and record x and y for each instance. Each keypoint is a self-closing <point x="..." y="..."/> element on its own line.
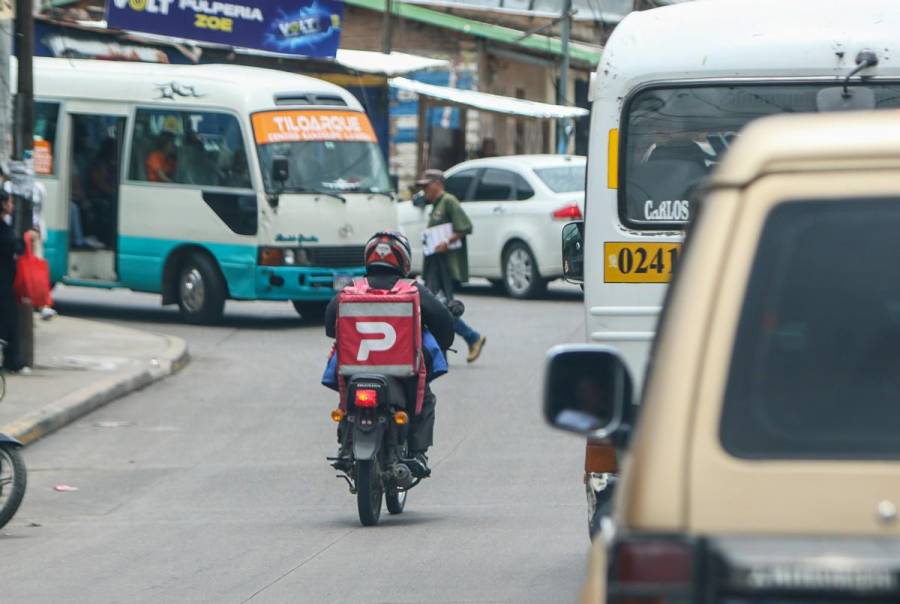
<point x="815" y="371"/>
<point x="674" y="137"/>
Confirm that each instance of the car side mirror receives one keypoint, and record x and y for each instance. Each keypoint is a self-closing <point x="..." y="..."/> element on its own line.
<point x="587" y="390"/>
<point x="281" y="170"/>
<point x="573" y="252"/>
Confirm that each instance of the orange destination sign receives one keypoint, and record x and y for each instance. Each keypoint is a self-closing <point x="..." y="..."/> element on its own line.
<point x="302" y="126"/>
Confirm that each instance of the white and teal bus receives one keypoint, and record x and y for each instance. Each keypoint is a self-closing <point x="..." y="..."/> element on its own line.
<point x="205" y="183"/>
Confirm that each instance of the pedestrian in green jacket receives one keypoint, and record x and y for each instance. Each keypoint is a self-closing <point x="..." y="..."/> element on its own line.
<point x="449" y="265"/>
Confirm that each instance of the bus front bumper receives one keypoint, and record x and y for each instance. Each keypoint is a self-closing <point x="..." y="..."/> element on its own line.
<point x="302" y="282"/>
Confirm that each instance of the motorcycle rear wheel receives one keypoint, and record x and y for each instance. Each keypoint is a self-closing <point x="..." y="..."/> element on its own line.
<point x="12" y="482"/>
<point x="396" y="501"/>
<point x="369" y="492"/>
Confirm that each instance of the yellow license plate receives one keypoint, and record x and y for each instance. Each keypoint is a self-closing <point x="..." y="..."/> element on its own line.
<point x="639" y="262"/>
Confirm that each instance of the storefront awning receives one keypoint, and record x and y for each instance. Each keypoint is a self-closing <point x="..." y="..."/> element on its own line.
<point x="396" y="63"/>
<point x="483" y="101"/>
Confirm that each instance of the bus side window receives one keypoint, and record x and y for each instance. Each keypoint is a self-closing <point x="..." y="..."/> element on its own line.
<point x="200" y="148"/>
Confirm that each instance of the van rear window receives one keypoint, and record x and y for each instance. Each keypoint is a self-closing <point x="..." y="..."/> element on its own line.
<point x="815" y="371"/>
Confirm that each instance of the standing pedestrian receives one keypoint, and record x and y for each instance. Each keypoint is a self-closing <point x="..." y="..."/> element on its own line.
<point x="10" y="245"/>
<point x="447" y="267"/>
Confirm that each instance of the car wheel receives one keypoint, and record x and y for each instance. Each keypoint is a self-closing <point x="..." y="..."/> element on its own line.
<point x="201" y="291"/>
<point x="310" y="311"/>
<point x="521" y="278"/>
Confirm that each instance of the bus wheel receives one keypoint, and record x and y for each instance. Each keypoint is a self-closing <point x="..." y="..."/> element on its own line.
<point x="310" y="311"/>
<point x="201" y="293"/>
<point x="521" y="278"/>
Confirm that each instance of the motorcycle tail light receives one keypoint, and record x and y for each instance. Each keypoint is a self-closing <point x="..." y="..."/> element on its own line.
<point x="366" y="398"/>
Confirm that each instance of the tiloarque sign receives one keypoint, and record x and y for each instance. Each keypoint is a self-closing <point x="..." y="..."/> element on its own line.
<point x="302" y="27"/>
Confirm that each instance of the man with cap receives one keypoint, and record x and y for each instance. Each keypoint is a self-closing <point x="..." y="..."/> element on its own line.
<point x="447" y="267"/>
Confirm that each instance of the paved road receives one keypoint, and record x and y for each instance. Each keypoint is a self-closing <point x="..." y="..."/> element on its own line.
<point x="212" y="486"/>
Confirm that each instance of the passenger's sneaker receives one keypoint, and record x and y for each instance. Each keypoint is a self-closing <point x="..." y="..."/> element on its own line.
<point x="93" y="243"/>
<point x="475" y="349"/>
<point x="48" y="313"/>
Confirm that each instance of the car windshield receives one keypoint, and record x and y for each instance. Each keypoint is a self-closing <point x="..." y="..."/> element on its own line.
<point x="675" y="136"/>
<point x="563" y="179"/>
<point x="326" y="151"/>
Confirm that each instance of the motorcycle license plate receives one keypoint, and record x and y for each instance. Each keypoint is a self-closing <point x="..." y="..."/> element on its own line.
<point x="342" y="281"/>
<point x="639" y="262"/>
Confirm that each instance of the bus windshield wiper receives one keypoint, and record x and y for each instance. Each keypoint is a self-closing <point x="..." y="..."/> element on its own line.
<point x="385" y="193"/>
<point x="321" y="192"/>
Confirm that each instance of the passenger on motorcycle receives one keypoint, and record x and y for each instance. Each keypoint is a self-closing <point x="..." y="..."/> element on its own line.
<point x="388" y="259"/>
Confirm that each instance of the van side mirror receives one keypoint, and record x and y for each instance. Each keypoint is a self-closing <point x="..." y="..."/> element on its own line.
<point x="281" y="170"/>
<point x="573" y="252"/>
<point x="587" y="389"/>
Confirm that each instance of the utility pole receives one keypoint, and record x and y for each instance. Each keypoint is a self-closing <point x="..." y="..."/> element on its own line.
<point x="23" y="120"/>
<point x="387" y="28"/>
<point x="562" y="137"/>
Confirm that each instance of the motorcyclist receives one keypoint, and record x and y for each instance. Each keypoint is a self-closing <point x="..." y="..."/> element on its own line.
<point x="388" y="258"/>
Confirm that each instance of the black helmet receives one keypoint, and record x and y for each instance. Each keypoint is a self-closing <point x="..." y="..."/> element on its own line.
<point x="390" y="250"/>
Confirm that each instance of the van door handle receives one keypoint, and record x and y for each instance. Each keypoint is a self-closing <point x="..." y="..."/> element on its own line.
<point x="499" y="210"/>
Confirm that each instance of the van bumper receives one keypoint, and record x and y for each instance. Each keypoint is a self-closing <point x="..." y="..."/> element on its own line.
<point x="301" y="282"/>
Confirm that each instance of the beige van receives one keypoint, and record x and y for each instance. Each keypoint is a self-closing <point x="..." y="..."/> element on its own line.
<point x="764" y="466"/>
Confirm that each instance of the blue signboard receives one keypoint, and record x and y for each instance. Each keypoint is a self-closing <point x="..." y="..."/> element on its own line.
<point x="302" y="27"/>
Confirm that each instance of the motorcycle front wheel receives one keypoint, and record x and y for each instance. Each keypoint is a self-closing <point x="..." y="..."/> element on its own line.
<point x="369" y="492"/>
<point x="12" y="482"/>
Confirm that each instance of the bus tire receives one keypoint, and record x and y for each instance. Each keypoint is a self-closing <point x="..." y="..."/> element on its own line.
<point x="521" y="278"/>
<point x="200" y="290"/>
<point x="312" y="311"/>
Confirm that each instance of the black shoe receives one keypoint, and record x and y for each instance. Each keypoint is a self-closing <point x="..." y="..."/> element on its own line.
<point x="418" y="465"/>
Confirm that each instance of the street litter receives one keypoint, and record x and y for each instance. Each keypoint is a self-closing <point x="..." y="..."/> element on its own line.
<point x="64" y="488"/>
<point x="111" y="424"/>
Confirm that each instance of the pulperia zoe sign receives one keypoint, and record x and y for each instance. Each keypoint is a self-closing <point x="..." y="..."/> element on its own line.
<point x="301" y="27"/>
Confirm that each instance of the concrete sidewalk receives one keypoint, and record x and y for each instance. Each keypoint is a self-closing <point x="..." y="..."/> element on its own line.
<point x="80" y="366"/>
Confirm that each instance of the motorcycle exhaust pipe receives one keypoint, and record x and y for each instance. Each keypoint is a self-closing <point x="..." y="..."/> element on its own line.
<point x="402" y="475"/>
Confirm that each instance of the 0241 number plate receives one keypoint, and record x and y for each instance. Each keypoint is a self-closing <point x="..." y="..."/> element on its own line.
<point x="639" y="262"/>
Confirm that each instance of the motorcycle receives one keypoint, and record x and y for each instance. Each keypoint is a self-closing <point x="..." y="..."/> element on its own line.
<point x="374" y="429"/>
<point x="12" y="478"/>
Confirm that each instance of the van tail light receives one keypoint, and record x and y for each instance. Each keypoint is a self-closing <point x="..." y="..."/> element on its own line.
<point x="366" y="398"/>
<point x="569" y="212"/>
<point x="652" y="571"/>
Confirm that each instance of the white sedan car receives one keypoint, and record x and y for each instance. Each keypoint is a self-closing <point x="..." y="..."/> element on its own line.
<point x="518" y="206"/>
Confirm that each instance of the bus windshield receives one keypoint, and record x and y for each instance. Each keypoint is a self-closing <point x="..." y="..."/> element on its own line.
<point x="327" y="151"/>
<point x="674" y="136"/>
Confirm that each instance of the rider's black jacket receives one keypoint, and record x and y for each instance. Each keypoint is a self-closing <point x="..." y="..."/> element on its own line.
<point x="435" y="315"/>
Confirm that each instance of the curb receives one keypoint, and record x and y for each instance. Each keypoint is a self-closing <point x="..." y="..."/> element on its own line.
<point x="71" y="407"/>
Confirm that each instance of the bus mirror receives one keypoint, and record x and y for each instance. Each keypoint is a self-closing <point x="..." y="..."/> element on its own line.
<point x="281" y="170"/>
<point x="573" y="251"/>
<point x="588" y="390"/>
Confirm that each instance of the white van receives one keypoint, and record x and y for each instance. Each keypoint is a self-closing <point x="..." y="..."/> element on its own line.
<point x="676" y="85"/>
<point x="674" y="88"/>
<point x="205" y="183"/>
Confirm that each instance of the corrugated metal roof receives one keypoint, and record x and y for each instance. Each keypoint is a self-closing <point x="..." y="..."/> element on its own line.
<point x="506" y="35"/>
<point x="488" y="102"/>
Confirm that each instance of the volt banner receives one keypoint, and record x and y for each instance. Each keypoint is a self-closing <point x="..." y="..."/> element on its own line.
<point x="302" y="27"/>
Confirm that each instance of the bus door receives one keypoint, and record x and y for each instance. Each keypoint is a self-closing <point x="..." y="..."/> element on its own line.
<point x="94" y="170"/>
